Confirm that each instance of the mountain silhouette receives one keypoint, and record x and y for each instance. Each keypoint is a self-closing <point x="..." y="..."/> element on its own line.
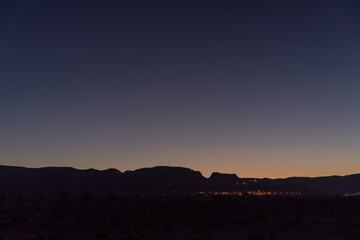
<point x="160" y="180"/>
<point x="224" y="178"/>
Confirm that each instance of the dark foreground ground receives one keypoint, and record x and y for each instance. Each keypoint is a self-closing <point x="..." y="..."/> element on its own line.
<point x="113" y="217"/>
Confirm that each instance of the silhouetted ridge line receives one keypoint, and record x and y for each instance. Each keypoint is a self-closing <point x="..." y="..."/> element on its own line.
<point x="161" y="180"/>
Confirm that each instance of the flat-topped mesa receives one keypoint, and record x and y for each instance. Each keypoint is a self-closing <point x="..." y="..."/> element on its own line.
<point x="223" y="178"/>
<point x="167" y="174"/>
<point x="167" y="170"/>
<point x="165" y="179"/>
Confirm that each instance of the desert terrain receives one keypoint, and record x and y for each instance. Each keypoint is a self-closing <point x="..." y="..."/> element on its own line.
<point x="112" y="216"/>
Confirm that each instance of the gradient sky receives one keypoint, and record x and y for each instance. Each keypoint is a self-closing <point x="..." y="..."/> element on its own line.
<point x="256" y="88"/>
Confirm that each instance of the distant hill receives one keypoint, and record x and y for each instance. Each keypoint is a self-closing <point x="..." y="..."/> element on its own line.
<point x="223" y="181"/>
<point x="161" y="179"/>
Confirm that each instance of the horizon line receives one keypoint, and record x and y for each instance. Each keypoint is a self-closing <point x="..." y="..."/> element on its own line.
<point x="84" y="169"/>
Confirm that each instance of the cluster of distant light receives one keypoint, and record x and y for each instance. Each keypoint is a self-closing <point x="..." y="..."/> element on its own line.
<point x="254" y="193"/>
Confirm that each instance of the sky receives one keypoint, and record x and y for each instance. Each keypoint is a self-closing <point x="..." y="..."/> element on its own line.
<point x="256" y="88"/>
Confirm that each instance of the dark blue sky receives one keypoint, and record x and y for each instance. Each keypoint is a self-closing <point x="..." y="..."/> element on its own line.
<point x="259" y="88"/>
